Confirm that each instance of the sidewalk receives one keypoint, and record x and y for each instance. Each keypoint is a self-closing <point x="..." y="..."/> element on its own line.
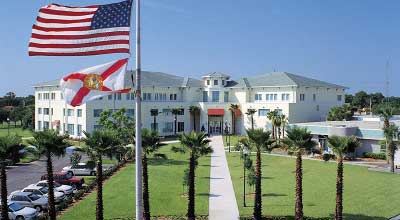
<point x="222" y="202"/>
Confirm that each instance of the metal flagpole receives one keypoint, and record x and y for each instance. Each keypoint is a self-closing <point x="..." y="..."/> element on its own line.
<point x="139" y="197"/>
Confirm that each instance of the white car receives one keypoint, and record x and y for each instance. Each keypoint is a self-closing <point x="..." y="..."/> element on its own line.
<point x="18" y="212"/>
<point x="31" y="200"/>
<point x="66" y="189"/>
<point x="81" y="169"/>
<point x="43" y="191"/>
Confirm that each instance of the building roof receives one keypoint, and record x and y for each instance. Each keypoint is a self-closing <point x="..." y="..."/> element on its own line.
<point x="275" y="79"/>
<point x="216" y="74"/>
<point x="156" y="79"/>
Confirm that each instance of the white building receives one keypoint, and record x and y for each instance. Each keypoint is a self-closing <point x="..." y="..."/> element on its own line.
<point x="301" y="99"/>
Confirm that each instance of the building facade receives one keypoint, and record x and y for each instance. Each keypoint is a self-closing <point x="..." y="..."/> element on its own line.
<point x="301" y="99"/>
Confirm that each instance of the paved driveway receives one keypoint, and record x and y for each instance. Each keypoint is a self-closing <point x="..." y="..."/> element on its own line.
<point x="18" y="177"/>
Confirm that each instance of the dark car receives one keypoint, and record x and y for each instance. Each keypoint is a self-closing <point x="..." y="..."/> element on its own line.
<point x="67" y="179"/>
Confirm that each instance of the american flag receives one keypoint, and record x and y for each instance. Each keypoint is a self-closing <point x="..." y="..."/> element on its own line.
<point x="81" y="31"/>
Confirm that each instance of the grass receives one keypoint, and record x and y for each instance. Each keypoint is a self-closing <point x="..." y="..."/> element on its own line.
<point x="166" y="199"/>
<point x="233" y="139"/>
<point x="367" y="194"/>
<point x="14" y="130"/>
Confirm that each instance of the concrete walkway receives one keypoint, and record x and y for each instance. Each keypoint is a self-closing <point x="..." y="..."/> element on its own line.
<point x="222" y="202"/>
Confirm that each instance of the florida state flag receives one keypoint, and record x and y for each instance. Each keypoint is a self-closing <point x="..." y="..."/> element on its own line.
<point x="94" y="82"/>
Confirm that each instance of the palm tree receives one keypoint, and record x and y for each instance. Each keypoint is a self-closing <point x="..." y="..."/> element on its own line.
<point x="272" y="116"/>
<point x="340" y="146"/>
<point x="251" y="112"/>
<point x="50" y="144"/>
<point x="100" y="142"/>
<point x="154" y="114"/>
<point x="284" y="123"/>
<point x="198" y="145"/>
<point x="391" y="135"/>
<point x="193" y="110"/>
<point x="175" y="112"/>
<point x="234" y="108"/>
<point x="260" y="139"/>
<point x="8" y="145"/>
<point x="386" y="113"/>
<point x="150" y="143"/>
<point x="298" y="141"/>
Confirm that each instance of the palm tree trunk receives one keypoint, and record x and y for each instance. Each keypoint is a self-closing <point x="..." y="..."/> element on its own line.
<point x="176" y="119"/>
<point x="191" y="203"/>
<point x="154" y="123"/>
<point x="194" y="121"/>
<point x="50" y="179"/>
<point x="339" y="190"/>
<point x="4" y="206"/>
<point x="273" y="132"/>
<point x="146" y="198"/>
<point x="99" y="179"/>
<point x="252" y="122"/>
<point x="391" y="155"/>
<point x="299" y="188"/>
<point x="257" y="214"/>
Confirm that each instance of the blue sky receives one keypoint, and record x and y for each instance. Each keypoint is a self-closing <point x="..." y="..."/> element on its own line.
<point x="344" y="42"/>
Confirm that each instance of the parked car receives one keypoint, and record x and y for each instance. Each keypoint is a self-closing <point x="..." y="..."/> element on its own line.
<point x="29" y="199"/>
<point x="43" y="191"/>
<point x="67" y="179"/>
<point x="18" y="212"/>
<point x="81" y="169"/>
<point x="66" y="189"/>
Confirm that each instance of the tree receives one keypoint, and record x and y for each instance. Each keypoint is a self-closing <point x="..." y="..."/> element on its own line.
<point x="101" y="142"/>
<point x="197" y="145"/>
<point x="175" y="112"/>
<point x="386" y="113"/>
<point x="194" y="110"/>
<point x="272" y="116"/>
<point x="154" y="114"/>
<point x="340" y="146"/>
<point x="284" y="123"/>
<point x="360" y="100"/>
<point x="8" y="144"/>
<point x="250" y="112"/>
<point x="391" y="134"/>
<point x="50" y="144"/>
<point x="340" y="113"/>
<point x="298" y="141"/>
<point x="260" y="139"/>
<point x="151" y="143"/>
<point x="233" y="108"/>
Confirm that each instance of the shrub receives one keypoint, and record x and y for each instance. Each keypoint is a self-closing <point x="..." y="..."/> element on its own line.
<point x="327" y="157"/>
<point x="75" y="158"/>
<point x="78" y="195"/>
<point x="380" y="156"/>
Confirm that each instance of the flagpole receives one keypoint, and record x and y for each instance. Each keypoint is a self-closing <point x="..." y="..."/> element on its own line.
<point x="139" y="196"/>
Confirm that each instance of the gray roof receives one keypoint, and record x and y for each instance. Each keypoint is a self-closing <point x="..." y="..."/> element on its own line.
<point x="217" y="74"/>
<point x="149" y="79"/>
<point x="275" y="79"/>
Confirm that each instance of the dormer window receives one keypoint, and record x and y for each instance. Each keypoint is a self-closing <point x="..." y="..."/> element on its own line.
<point x="216" y="82"/>
<point x="208" y="82"/>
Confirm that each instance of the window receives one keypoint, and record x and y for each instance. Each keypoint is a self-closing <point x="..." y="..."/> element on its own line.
<point x="46" y="125"/>
<point x="130" y="96"/>
<point x="119" y="96"/>
<point x="130" y="112"/>
<point x="53" y="96"/>
<point x="46" y="111"/>
<point x="215" y="82"/>
<point x="52" y="111"/>
<point x="110" y="97"/>
<point x="215" y="96"/>
<point x="271" y="97"/>
<point x="226" y="96"/>
<point x="70" y="129"/>
<point x="263" y="112"/>
<point x="172" y="97"/>
<point x="79" y="130"/>
<point x="46" y="96"/>
<point x="79" y="113"/>
<point x="62" y="96"/>
<point x="70" y="112"/>
<point x="146" y="96"/>
<point x="208" y="82"/>
<point x="97" y="112"/>
<point x="314" y="97"/>
<point x="39" y="111"/>
<point x="285" y="97"/>
<point x="39" y="96"/>
<point x="64" y="112"/>
<point x="302" y="97"/>
<point x="275" y="97"/>
<point x="39" y="125"/>
<point x="280" y="111"/>
<point x="100" y="98"/>
<point x="160" y="96"/>
<point x="317" y="107"/>
<point x="168" y="127"/>
<point x="339" y="98"/>
<point x="181" y="126"/>
<point x="205" y="96"/>
<point x="166" y="111"/>
<point x="223" y="82"/>
<point x="182" y="112"/>
<point x="258" y="97"/>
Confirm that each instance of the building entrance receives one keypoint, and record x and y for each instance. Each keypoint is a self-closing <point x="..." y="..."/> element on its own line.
<point x="215" y="124"/>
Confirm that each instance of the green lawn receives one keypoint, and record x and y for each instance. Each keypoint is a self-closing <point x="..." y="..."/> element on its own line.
<point x="18" y="130"/>
<point x="367" y="194"/>
<point x="165" y="190"/>
<point x="233" y="139"/>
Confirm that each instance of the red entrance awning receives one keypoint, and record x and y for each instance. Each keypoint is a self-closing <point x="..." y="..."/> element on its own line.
<point x="237" y="112"/>
<point x="216" y="112"/>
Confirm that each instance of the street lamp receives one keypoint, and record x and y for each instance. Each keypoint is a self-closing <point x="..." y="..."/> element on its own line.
<point x="229" y="138"/>
<point x="226" y="131"/>
<point x="245" y="153"/>
<point x="8" y="122"/>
